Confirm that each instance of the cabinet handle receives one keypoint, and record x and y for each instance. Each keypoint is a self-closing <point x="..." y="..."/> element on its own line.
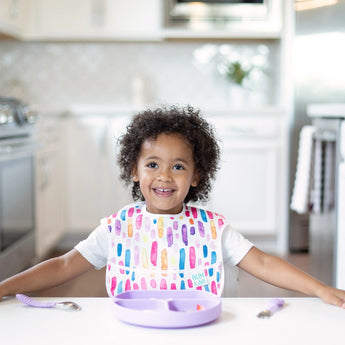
<point x="14" y="9"/>
<point x="46" y="173"/>
<point x="98" y="9"/>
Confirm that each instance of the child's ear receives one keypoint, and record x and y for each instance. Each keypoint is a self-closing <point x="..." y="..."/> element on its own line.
<point x="195" y="179"/>
<point x="135" y="175"/>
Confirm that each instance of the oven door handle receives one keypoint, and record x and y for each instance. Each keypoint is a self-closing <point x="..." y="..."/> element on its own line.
<point x="18" y="150"/>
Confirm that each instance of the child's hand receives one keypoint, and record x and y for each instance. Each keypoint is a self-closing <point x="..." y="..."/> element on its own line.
<point x="333" y="296"/>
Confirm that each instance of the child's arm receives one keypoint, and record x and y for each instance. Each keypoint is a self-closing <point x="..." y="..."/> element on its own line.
<point x="278" y="272"/>
<point x="46" y="274"/>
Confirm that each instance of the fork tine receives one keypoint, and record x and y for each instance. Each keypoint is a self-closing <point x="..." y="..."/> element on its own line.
<point x="274" y="305"/>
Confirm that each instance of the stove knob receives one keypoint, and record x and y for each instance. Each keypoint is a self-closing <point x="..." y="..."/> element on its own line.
<point x="30" y="116"/>
<point x="6" y="115"/>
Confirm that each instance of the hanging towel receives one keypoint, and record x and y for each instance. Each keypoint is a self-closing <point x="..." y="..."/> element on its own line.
<point x="316" y="194"/>
<point x="300" y="194"/>
<point x="328" y="176"/>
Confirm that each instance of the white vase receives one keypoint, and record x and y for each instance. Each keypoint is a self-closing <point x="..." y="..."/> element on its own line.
<point x="237" y="96"/>
<point x="240" y="97"/>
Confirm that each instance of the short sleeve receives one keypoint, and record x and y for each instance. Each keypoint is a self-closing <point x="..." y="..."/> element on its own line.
<point x="95" y="247"/>
<point x="234" y="246"/>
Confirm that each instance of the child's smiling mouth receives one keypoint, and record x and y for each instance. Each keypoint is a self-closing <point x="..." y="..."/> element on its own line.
<point x="163" y="192"/>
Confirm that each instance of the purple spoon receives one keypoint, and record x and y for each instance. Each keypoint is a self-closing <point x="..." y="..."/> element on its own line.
<point x="37" y="304"/>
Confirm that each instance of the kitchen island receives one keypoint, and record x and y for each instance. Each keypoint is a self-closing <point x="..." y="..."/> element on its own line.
<point x="301" y="321"/>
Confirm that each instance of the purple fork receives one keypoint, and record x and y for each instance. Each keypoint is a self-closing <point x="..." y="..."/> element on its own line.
<point x="274" y="305"/>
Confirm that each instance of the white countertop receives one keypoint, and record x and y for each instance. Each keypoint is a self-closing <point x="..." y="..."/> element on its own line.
<point x="326" y="110"/>
<point x="115" y="110"/>
<point x="301" y="321"/>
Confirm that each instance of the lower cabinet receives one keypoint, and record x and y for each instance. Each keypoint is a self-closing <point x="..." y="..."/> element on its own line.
<point x="246" y="187"/>
<point x="50" y="205"/>
<point x="251" y="185"/>
<point x="93" y="188"/>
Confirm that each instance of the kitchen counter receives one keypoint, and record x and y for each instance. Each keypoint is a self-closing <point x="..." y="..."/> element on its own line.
<point x="118" y="110"/>
<point x="301" y="321"/>
<point x="332" y="110"/>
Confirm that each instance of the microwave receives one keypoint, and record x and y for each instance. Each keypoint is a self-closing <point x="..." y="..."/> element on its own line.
<point x="224" y="14"/>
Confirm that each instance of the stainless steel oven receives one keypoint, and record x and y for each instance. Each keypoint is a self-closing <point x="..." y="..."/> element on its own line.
<point x="17" y="191"/>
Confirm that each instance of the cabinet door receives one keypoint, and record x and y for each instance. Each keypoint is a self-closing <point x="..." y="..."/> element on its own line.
<point x="63" y="17"/>
<point x="245" y="188"/>
<point x="50" y="225"/>
<point x="96" y="19"/>
<point x="134" y="18"/>
<point x="13" y="17"/>
<point x="93" y="189"/>
<point x="49" y="206"/>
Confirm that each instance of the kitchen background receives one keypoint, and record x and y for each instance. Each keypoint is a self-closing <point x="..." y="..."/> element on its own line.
<point x="109" y="73"/>
<point x="87" y="69"/>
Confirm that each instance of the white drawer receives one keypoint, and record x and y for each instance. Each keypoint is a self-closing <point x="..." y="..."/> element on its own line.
<point x="246" y="127"/>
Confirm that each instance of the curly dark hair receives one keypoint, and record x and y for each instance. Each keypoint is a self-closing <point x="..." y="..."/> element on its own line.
<point x="193" y="128"/>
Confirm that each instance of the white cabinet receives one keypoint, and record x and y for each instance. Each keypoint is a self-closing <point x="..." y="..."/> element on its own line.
<point x="13" y="17"/>
<point x="245" y="189"/>
<point x="63" y="18"/>
<point x="50" y="225"/>
<point x="93" y="189"/>
<point x="95" y="19"/>
<point x="134" y="19"/>
<point x="249" y="188"/>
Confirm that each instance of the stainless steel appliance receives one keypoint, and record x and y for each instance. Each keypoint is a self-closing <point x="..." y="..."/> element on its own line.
<point x="327" y="227"/>
<point x="17" y="196"/>
<point x="318" y="32"/>
<point x="319" y="189"/>
<point x="340" y="243"/>
<point x="221" y="14"/>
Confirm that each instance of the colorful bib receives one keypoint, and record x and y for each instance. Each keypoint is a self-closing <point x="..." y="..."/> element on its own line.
<point x="152" y="251"/>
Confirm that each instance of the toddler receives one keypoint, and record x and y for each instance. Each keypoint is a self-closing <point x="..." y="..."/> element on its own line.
<point x="162" y="241"/>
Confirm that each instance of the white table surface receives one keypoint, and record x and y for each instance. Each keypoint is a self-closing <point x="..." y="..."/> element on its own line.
<point x="301" y="321"/>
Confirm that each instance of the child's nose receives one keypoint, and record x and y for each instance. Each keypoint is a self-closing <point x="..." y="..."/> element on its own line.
<point x="164" y="175"/>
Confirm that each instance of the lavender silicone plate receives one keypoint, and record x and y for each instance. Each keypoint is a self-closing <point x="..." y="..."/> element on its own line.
<point x="167" y="308"/>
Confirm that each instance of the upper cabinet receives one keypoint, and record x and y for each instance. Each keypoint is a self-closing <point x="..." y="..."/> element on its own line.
<point x="13" y="16"/>
<point x="115" y="20"/>
<point x="134" y="19"/>
<point x="61" y="19"/>
<point x="94" y="20"/>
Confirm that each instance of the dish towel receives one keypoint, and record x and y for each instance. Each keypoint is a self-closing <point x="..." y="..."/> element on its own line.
<point x="316" y="193"/>
<point x="300" y="194"/>
<point x="329" y="176"/>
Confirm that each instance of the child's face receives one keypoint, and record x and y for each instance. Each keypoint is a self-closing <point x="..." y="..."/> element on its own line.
<point x="165" y="170"/>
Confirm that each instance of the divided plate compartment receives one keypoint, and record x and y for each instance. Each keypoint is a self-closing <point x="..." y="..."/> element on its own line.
<point x="167" y="308"/>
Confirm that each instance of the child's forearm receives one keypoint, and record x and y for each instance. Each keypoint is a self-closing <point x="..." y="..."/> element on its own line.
<point x="41" y="276"/>
<point x="47" y="274"/>
<point x="278" y="272"/>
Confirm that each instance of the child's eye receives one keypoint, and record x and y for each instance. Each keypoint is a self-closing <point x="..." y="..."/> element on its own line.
<point x="178" y="167"/>
<point x="152" y="165"/>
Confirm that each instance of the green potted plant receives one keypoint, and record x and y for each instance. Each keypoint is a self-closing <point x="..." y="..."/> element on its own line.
<point x="243" y="67"/>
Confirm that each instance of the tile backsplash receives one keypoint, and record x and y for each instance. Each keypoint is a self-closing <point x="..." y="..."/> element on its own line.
<point x="60" y="74"/>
